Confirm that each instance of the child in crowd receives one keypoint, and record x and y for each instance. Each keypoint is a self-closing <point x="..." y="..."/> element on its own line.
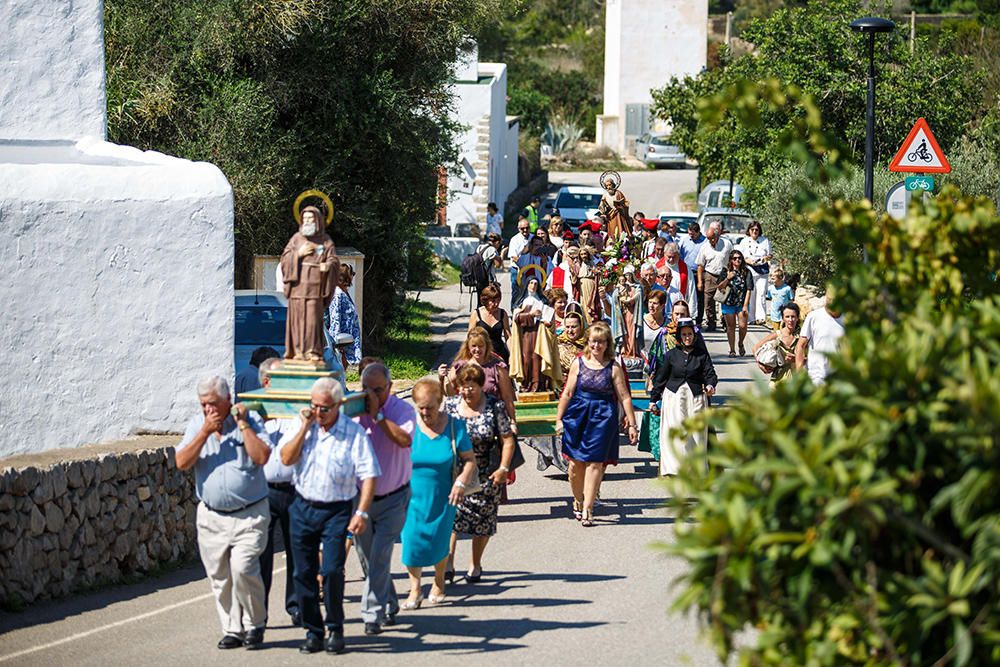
<point x="780" y="294"/>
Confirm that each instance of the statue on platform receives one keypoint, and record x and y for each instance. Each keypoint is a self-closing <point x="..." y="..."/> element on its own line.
<point x="310" y="270"/>
<point x="614" y="206"/>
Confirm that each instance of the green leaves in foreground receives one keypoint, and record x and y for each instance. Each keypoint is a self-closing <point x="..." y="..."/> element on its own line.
<point x="858" y="523"/>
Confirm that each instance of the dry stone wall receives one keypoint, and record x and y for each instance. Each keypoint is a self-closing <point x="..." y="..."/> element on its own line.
<point x="94" y="515"/>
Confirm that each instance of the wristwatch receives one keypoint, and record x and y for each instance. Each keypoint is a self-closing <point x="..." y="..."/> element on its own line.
<point x="243" y="425"/>
<point x="363" y="515"/>
<point x="379" y="417"/>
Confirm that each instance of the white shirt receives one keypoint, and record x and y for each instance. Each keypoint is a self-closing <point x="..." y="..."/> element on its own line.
<point x="517" y="245"/>
<point x="494" y="223"/>
<point x="332" y="462"/>
<point x="715" y="258"/>
<point x="824" y="332"/>
<point x="276" y="471"/>
<point x="754" y="251"/>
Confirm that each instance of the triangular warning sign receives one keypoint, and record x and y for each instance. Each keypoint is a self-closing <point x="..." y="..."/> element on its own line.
<point x="920" y="152"/>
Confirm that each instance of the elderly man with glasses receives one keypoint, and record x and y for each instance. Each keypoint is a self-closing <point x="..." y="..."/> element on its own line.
<point x="330" y="454"/>
<point x="223" y="444"/>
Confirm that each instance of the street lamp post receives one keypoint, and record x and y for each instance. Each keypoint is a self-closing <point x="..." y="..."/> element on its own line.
<point x="870" y="26"/>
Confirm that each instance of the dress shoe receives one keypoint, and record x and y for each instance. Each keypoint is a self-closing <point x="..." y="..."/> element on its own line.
<point x="296" y="619"/>
<point x="372" y="628"/>
<point x="230" y="641"/>
<point x="335" y="643"/>
<point x="390" y="619"/>
<point x="312" y="644"/>
<point x="254" y="639"/>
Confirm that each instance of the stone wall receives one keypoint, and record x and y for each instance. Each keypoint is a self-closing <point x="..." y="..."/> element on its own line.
<point x="71" y="519"/>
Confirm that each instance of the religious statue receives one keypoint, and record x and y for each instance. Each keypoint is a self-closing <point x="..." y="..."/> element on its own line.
<point x="614" y="206"/>
<point x="310" y="270"/>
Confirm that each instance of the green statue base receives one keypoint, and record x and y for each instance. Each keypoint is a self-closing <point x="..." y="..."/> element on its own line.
<point x="291" y="382"/>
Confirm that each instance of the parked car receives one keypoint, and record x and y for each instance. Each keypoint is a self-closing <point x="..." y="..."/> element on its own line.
<point x="260" y="320"/>
<point x="576" y="203"/>
<point x="734" y="222"/>
<point x="683" y="218"/>
<point x="656" y="150"/>
<point x="716" y="195"/>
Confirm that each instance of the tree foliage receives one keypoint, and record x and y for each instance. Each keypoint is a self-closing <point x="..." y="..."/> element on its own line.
<point x="857" y="523"/>
<point x="347" y="96"/>
<point x="812" y="48"/>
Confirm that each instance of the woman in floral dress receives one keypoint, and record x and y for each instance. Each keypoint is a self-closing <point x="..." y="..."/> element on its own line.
<point x="493" y="445"/>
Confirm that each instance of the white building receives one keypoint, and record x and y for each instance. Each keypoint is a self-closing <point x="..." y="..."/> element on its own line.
<point x="488" y="148"/>
<point x="646" y="43"/>
<point x="119" y="262"/>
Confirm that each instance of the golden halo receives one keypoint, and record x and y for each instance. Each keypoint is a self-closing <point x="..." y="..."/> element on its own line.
<point x="520" y="274"/>
<point x="297" y="206"/>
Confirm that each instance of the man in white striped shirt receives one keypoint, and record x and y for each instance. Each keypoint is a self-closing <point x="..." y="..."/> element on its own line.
<point x="330" y="454"/>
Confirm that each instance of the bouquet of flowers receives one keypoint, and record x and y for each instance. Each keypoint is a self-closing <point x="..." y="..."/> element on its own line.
<point x="619" y="253"/>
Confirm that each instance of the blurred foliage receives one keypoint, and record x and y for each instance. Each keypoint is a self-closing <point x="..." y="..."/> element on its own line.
<point x="554" y="50"/>
<point x="812" y="48"/>
<point x="857" y="523"/>
<point x="347" y="96"/>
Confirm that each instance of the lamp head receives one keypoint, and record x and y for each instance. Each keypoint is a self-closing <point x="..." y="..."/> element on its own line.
<point x="872" y="24"/>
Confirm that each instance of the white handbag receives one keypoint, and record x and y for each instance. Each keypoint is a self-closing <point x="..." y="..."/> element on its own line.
<point x="769" y="355"/>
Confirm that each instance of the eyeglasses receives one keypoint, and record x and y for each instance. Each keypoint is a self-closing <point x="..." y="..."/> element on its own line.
<point x="324" y="408"/>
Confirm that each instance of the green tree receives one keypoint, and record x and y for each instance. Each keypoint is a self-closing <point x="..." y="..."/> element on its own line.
<point x="857" y="523"/>
<point x="812" y="48"/>
<point x="348" y="96"/>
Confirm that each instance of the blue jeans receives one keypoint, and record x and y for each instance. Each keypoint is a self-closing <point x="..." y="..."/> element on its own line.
<point x="280" y="500"/>
<point x="312" y="525"/>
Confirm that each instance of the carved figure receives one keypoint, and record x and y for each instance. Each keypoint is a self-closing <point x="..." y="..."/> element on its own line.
<point x="310" y="270"/>
<point x="614" y="206"/>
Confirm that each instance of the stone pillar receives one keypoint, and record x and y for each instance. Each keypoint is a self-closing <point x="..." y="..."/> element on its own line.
<point x="120" y="262"/>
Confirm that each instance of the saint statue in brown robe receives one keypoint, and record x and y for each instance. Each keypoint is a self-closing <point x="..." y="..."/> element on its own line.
<point x="310" y="270"/>
<point x="614" y="206"/>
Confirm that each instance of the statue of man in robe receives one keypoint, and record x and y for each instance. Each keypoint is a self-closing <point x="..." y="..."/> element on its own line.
<point x="614" y="206"/>
<point x="310" y="269"/>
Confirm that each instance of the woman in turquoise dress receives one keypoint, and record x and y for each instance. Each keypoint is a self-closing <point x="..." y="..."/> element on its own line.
<point x="436" y="493"/>
<point x="587" y="418"/>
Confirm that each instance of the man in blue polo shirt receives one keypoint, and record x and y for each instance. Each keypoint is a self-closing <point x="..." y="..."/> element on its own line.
<point x="223" y="444"/>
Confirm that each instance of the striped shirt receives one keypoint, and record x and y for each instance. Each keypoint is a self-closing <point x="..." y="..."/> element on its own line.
<point x="332" y="462"/>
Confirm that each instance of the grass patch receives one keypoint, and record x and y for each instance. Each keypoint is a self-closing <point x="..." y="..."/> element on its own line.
<point x="445" y="273"/>
<point x="407" y="347"/>
<point x="689" y="201"/>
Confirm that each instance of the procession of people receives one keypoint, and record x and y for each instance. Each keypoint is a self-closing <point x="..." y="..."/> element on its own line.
<point x="621" y="302"/>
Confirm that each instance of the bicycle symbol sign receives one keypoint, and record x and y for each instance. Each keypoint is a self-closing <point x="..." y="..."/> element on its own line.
<point x="915" y="183"/>
<point x="920" y="153"/>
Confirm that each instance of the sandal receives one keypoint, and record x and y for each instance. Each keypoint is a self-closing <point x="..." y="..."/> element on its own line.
<point x="731" y="353"/>
<point x="743" y="350"/>
<point x="435" y="599"/>
<point x="410" y="604"/>
<point x="588" y="519"/>
<point x="577" y="510"/>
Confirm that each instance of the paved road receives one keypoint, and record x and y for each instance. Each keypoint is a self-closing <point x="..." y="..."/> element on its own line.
<point x="649" y="191"/>
<point x="552" y="592"/>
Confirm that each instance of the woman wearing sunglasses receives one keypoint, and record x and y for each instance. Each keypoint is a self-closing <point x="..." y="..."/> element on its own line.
<point x="740" y="284"/>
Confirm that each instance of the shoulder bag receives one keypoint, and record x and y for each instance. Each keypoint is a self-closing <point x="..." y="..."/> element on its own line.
<point x="456" y="469"/>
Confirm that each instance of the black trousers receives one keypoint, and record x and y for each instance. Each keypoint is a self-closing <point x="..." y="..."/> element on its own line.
<point x="280" y="500"/>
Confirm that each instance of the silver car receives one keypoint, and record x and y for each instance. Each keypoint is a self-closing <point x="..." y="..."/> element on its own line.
<point x="656" y="150"/>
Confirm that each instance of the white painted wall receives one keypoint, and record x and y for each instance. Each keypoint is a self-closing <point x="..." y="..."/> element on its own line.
<point x="119" y="293"/>
<point x="646" y="43"/>
<point x="473" y="101"/>
<point x="52" y="69"/>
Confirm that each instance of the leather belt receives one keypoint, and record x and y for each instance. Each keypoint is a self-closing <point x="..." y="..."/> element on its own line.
<point x="392" y="493"/>
<point x="233" y="511"/>
<point x="334" y="504"/>
<point x="282" y="486"/>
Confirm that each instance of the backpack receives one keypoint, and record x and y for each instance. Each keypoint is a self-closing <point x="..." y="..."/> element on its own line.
<point x="473" y="273"/>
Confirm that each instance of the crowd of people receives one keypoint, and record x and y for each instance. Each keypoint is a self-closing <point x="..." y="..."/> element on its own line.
<point x="587" y="318"/>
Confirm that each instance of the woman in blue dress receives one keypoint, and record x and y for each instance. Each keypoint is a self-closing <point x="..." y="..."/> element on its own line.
<point x="587" y="417"/>
<point x="344" y="316"/>
<point x="436" y="494"/>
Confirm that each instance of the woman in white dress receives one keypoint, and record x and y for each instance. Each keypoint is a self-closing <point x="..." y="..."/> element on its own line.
<point x="756" y="250"/>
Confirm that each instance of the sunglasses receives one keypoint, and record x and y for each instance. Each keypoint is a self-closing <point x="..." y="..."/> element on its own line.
<point x="323" y="408"/>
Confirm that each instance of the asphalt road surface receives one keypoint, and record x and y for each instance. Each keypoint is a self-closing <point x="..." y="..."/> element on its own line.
<point x="648" y="191"/>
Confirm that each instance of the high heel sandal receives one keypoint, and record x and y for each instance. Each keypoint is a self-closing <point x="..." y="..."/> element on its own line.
<point x="410" y="605"/>
<point x="449" y="576"/>
<point x="588" y="519"/>
<point x="577" y="510"/>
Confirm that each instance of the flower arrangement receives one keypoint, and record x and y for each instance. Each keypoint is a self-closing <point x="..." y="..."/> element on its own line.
<point x="619" y="253"/>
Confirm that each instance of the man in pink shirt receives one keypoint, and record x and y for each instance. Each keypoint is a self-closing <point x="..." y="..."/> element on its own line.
<point x="389" y="423"/>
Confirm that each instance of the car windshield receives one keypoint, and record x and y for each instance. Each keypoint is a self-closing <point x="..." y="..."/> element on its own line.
<point x="577" y="200"/>
<point x="730" y="223"/>
<point x="260" y="325"/>
<point x="719" y="199"/>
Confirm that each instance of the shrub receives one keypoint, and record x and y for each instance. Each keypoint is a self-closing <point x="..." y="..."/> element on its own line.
<point x="858" y="523"/>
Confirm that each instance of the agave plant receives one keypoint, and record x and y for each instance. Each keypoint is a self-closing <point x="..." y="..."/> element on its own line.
<point x="562" y="133"/>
